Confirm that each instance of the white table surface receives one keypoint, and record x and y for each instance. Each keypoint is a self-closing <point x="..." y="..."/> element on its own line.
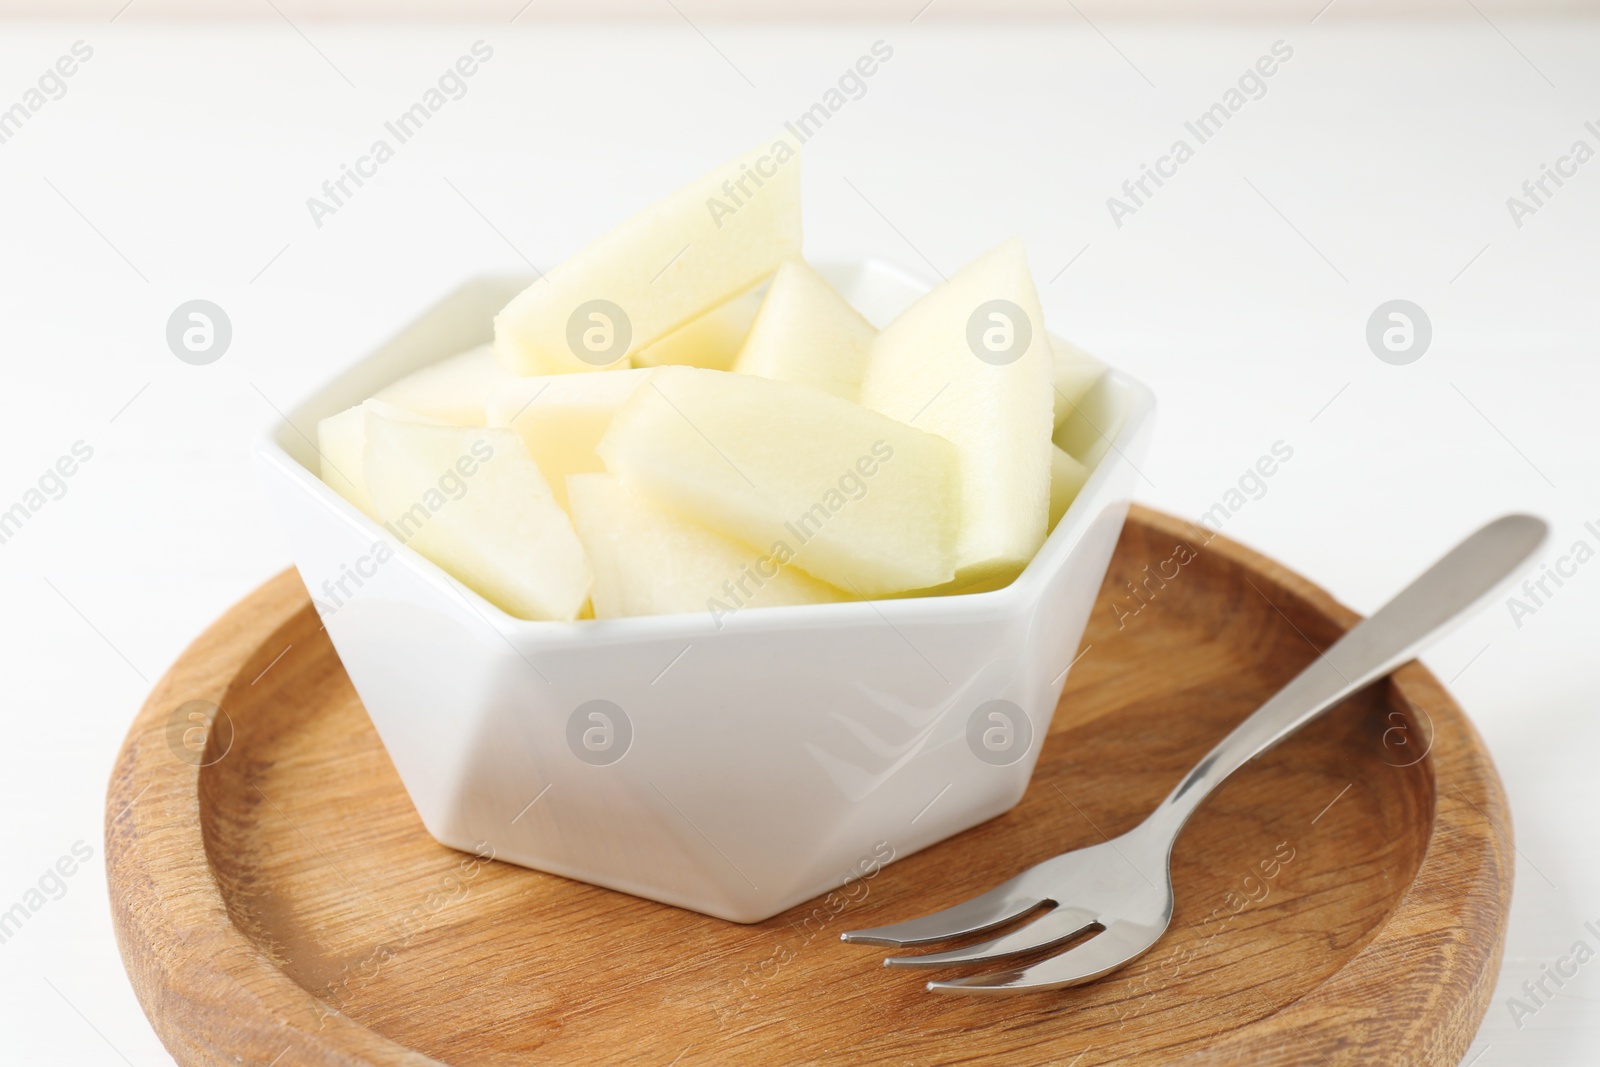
<point x="1376" y="166"/>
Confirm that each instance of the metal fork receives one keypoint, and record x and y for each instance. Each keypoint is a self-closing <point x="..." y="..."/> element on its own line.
<point x="1120" y="891"/>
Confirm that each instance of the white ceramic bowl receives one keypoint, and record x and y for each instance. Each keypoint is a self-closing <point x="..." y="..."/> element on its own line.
<point x="736" y="771"/>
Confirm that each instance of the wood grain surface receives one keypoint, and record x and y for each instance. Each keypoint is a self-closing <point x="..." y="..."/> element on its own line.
<point x="1341" y="900"/>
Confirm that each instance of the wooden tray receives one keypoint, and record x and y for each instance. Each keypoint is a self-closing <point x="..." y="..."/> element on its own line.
<point x="1343" y="900"/>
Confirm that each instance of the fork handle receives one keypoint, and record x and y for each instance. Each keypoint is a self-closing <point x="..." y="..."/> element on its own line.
<point x="1423" y="611"/>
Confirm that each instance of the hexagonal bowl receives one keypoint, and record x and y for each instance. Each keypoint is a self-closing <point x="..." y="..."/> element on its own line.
<point x="735" y="766"/>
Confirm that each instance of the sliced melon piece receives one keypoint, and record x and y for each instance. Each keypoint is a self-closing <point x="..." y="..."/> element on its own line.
<point x="1076" y="371"/>
<point x="862" y="502"/>
<point x="712" y="340"/>
<point x="342" y="444"/>
<point x="696" y="249"/>
<point x="962" y="364"/>
<point x="471" y="500"/>
<point x="650" y="561"/>
<point x="807" y="333"/>
<point x="341" y="440"/>
<point x="1089" y="429"/>
<point x="1067" y="476"/>
<point x="454" y="390"/>
<point x="561" y="418"/>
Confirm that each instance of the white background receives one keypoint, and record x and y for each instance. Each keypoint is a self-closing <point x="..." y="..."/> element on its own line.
<point x="888" y="11"/>
<point x="1376" y="166"/>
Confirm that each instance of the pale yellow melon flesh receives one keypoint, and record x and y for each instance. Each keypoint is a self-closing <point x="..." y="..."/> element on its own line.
<point x="711" y="340"/>
<point x="454" y="390"/>
<point x="1088" y="431"/>
<point x="1067" y="476"/>
<point x="698" y="248"/>
<point x="925" y="372"/>
<point x="341" y="441"/>
<point x="471" y="500"/>
<point x="561" y="418"/>
<point x="650" y="561"/>
<point x="342" y="445"/>
<point x="864" y="503"/>
<point x="806" y="332"/>
<point x="1075" y="373"/>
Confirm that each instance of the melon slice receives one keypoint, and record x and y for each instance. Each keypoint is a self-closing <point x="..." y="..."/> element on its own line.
<point x="471" y="500"/>
<point x="712" y="340"/>
<point x="1093" y="423"/>
<point x="454" y="390"/>
<point x="806" y="332"/>
<point x="1067" y="476"/>
<point x="1075" y="373"/>
<point x="649" y="561"/>
<point x="561" y="418"/>
<point x="341" y="440"/>
<point x="698" y="248"/>
<point x="342" y="446"/>
<point x="971" y="362"/>
<point x="862" y="502"/>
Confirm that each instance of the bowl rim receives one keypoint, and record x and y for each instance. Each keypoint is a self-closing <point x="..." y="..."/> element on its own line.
<point x="1001" y="602"/>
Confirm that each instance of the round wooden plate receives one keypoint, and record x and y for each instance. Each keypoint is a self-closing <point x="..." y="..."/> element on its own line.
<point x="1342" y="900"/>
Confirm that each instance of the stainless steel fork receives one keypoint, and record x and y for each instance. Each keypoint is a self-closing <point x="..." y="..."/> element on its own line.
<point x="1120" y="891"/>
